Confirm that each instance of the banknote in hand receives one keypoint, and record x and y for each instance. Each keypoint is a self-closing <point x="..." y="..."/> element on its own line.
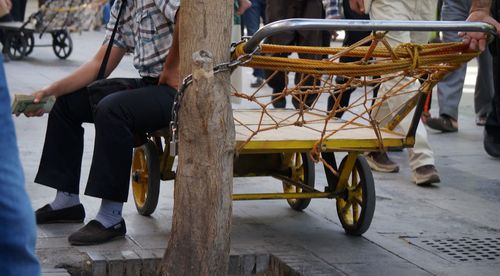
<point x="24" y="103"/>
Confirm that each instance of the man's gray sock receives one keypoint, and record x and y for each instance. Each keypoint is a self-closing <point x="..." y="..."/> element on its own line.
<point x="65" y="200"/>
<point x="110" y="213"/>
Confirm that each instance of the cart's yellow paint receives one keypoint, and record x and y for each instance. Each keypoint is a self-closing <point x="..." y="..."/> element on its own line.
<point x="290" y="137"/>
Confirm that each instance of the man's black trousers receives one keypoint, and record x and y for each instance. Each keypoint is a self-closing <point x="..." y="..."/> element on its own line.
<point x="134" y="107"/>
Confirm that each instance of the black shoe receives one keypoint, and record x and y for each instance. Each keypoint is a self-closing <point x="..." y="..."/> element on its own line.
<point x="491" y="145"/>
<point x="279" y="103"/>
<point x="71" y="214"/>
<point x="95" y="233"/>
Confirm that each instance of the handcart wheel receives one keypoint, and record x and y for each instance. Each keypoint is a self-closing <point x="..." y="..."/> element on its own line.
<point x="16" y="45"/>
<point x="302" y="170"/>
<point x="146" y="178"/>
<point x="356" y="206"/>
<point x="62" y="44"/>
<point x="30" y="43"/>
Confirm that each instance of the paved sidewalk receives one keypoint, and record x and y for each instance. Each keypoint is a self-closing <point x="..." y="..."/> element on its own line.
<point x="449" y="229"/>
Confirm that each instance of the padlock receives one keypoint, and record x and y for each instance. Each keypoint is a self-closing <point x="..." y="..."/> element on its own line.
<point x="173" y="148"/>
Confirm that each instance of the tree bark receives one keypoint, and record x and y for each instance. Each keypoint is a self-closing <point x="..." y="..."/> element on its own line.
<point x="200" y="237"/>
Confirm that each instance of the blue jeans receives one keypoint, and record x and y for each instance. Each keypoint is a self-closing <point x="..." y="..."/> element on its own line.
<point x="17" y="220"/>
<point x="251" y="20"/>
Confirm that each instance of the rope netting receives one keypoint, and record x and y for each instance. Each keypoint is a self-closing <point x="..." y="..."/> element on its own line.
<point x="393" y="77"/>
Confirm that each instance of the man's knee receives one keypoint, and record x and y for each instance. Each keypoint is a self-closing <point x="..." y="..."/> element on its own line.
<point x="108" y="109"/>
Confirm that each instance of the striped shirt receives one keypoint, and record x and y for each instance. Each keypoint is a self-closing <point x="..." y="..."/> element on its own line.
<point x="146" y="29"/>
<point x="332" y="8"/>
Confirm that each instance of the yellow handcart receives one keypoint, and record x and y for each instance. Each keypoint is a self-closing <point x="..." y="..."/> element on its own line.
<point x="286" y="143"/>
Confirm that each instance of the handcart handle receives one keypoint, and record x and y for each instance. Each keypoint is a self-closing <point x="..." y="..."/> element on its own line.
<point x="362" y="25"/>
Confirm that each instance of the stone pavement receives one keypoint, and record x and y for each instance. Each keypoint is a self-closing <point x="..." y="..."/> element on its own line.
<point x="448" y="229"/>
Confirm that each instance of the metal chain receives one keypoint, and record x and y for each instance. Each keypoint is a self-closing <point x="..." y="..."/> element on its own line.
<point x="223" y="67"/>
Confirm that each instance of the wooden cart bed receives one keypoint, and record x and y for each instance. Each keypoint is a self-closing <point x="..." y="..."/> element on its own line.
<point x="293" y="138"/>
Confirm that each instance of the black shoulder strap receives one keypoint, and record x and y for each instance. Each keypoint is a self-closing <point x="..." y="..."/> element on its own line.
<point x="102" y="69"/>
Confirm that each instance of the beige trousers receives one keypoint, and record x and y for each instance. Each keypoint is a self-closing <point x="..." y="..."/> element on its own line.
<point x="421" y="154"/>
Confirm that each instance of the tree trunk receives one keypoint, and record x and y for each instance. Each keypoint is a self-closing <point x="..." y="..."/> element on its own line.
<point x="200" y="238"/>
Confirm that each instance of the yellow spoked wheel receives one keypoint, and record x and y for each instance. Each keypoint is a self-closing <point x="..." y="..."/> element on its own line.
<point x="301" y="170"/>
<point x="146" y="178"/>
<point x="356" y="205"/>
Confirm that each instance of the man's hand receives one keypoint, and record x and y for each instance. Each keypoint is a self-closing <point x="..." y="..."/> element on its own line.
<point x="244" y="5"/>
<point x="38" y="96"/>
<point x="477" y="40"/>
<point x="170" y="77"/>
<point x="5" y="6"/>
<point x="357" y="6"/>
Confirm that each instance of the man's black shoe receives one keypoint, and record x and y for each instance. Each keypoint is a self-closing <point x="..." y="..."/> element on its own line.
<point x="492" y="145"/>
<point x="279" y="103"/>
<point x="95" y="233"/>
<point x="71" y="214"/>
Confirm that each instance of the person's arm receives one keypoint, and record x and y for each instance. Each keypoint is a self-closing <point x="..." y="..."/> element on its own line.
<point x="5" y="6"/>
<point x="87" y="73"/>
<point x="480" y="11"/>
<point x="81" y="77"/>
<point x="480" y="5"/>
<point x="243" y="6"/>
<point x="357" y="6"/>
<point x="171" y="73"/>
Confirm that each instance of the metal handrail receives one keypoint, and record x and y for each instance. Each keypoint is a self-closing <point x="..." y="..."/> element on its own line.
<point x="362" y="25"/>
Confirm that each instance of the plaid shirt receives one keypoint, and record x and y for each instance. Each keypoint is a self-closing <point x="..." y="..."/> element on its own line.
<point x="146" y="29"/>
<point x="332" y="8"/>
